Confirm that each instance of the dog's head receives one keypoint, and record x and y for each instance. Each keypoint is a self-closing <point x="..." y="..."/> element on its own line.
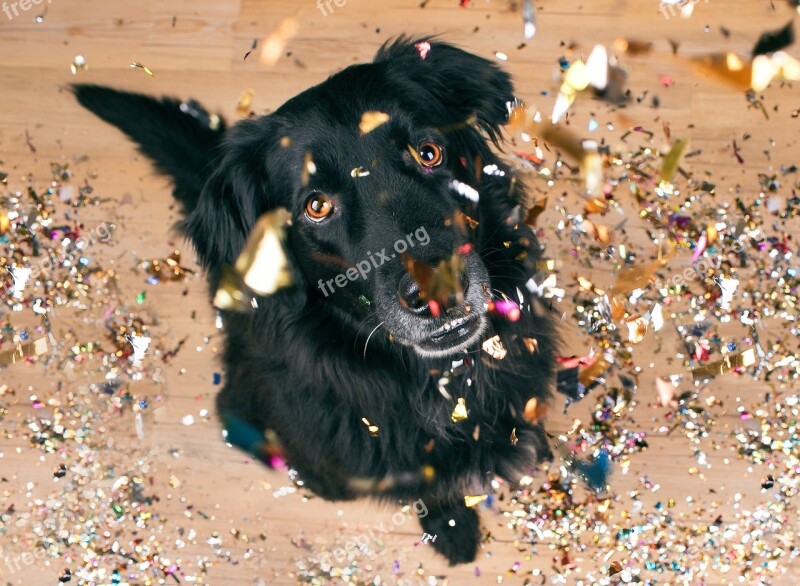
<point x="374" y="165"/>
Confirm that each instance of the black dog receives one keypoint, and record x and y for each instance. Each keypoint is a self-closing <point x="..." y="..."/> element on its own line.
<point x="366" y="381"/>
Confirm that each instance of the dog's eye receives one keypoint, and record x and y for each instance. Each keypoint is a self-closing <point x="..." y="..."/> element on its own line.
<point x="318" y="207"/>
<point x="430" y="154"/>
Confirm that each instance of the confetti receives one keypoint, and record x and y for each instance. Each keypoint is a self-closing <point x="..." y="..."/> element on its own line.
<point x="371" y="120"/>
<point x="273" y="46"/>
<point x="262" y="267"/>
<point x="727" y="364"/>
<point x="373" y="429"/>
<point x="424" y="49"/>
<point x="471" y="501"/>
<point x="459" y="411"/>
<point x="494" y="348"/>
<point x="23" y="351"/>
<point x="147" y="70"/>
<point x="529" y="19"/>
<point x="78" y="64"/>
<point x="547" y="289"/>
<point x="245" y="103"/>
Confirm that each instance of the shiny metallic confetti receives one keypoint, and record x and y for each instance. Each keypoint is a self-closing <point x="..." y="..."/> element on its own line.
<point x="147" y="70"/>
<point x="494" y="348"/>
<point x="729" y="363"/>
<point x="21" y="352"/>
<point x="471" y="501"/>
<point x="459" y="411"/>
<point x="373" y="429"/>
<point x="262" y="265"/>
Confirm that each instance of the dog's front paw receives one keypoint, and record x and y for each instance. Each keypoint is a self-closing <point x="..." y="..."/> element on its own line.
<point x="455" y="533"/>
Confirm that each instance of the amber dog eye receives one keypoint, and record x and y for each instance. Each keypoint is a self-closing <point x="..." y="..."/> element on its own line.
<point x="430" y="154"/>
<point x="318" y="207"/>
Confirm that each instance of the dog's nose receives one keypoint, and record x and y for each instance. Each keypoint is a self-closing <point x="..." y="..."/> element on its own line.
<point x="410" y="296"/>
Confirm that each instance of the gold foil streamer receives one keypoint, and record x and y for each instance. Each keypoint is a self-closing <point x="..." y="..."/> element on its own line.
<point x="23" y="351"/>
<point x="727" y="364"/>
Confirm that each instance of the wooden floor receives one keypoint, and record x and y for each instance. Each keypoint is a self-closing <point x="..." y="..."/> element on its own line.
<point x="186" y="508"/>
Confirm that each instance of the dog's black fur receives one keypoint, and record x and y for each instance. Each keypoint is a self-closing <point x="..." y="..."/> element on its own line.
<point x="309" y="366"/>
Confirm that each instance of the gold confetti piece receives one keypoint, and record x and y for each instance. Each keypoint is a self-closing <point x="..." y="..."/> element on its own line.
<point x="578" y="77"/>
<point x="5" y="223"/>
<point x="494" y="348"/>
<point x="637" y="328"/>
<point x="589" y="374"/>
<point x="727" y="364"/>
<point x="168" y="269"/>
<point x="245" y="103"/>
<point x="137" y="65"/>
<point x="617" y="308"/>
<point x="460" y="411"/>
<point x="531" y="344"/>
<point x="373" y="429"/>
<point x="672" y="160"/>
<point x="534" y="410"/>
<point x="536" y="211"/>
<point x="262" y="267"/>
<point x="592" y="168"/>
<point x="471" y="501"/>
<point x="600" y="233"/>
<point x="711" y="233"/>
<point x="549" y="264"/>
<point x="232" y="293"/>
<point x="359" y="172"/>
<point x="273" y="46"/>
<point x="371" y="120"/>
<point x="514" y="439"/>
<point x="263" y="263"/>
<point x="595" y="206"/>
<point x="631" y="278"/>
<point x="23" y="351"/>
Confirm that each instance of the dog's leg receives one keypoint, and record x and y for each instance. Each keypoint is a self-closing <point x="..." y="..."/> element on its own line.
<point x="453" y="531"/>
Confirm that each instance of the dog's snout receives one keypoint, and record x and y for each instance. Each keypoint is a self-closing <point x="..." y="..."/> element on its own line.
<point x="411" y="296"/>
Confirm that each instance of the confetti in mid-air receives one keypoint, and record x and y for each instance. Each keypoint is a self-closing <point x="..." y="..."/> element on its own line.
<point x="147" y="70"/>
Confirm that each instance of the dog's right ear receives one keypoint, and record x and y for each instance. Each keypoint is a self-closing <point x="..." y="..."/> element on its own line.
<point x="449" y="84"/>
<point x="232" y="199"/>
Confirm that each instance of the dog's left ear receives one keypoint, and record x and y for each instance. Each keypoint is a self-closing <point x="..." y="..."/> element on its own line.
<point x="454" y="85"/>
<point x="233" y="198"/>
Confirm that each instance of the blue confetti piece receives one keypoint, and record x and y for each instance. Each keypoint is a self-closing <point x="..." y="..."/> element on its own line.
<point x="596" y="472"/>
